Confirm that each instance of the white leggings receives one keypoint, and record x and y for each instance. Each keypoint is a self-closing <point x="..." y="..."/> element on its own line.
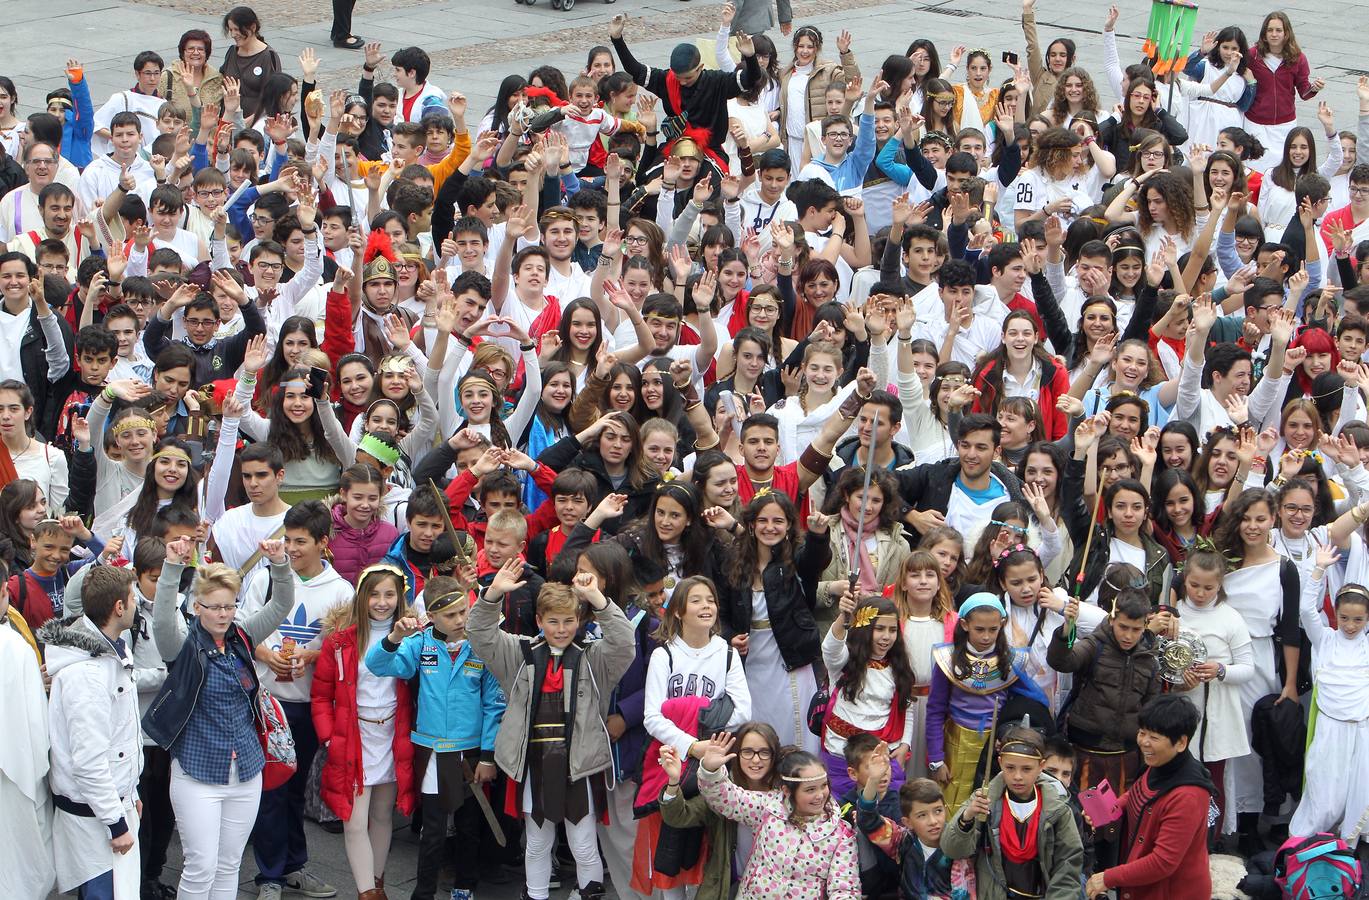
<point x="541" y="839"/>
<point x="214" y="821"/>
<point x="366" y="835"/>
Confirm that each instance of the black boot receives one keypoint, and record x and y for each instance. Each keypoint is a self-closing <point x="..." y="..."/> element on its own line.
<point x="1248" y="827"/>
<point x="592" y="891"/>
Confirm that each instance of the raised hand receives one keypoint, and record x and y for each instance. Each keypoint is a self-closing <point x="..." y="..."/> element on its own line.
<point x="274" y="551"/>
<point x="508" y="579"/>
<point x="254" y="357"/>
<point x="718" y="752"/>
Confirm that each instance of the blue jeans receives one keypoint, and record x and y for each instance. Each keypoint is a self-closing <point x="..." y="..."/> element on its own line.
<point x="101" y="887"/>
<point x="278" y="837"/>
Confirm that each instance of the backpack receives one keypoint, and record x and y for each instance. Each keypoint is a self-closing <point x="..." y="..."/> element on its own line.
<point x="1320" y="867"/>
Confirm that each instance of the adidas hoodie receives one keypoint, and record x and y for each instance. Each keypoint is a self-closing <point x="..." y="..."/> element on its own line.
<point x="313" y="600"/>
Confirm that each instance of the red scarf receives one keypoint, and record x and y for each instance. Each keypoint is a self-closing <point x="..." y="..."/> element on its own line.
<point x="737" y="321"/>
<point x="697" y="133"/>
<point x="8" y="472"/>
<point x="1015" y="849"/>
<point x="554" y="682"/>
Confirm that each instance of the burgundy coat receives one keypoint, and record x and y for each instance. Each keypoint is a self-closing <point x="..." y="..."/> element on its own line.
<point x="334" y="708"/>
<point x="355" y="549"/>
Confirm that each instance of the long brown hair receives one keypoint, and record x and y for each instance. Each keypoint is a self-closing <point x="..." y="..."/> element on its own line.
<point x="860" y="646"/>
<point x="741" y="567"/>
<point x="672" y="616"/>
<point x="1291" y="50"/>
<point x="359" y="610"/>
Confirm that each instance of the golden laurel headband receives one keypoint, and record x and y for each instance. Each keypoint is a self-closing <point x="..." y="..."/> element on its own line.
<point x="794" y="779"/>
<point x="172" y="452"/>
<point x="865" y="616"/>
<point x="131" y="423"/>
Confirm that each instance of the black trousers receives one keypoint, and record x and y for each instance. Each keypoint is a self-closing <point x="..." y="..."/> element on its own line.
<point x="342" y="19"/>
<point x="433" y="851"/>
<point x="159" y="819"/>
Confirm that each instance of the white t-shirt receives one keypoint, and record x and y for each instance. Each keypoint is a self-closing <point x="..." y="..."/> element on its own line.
<point x="238" y="532"/>
<point x="1032" y="191"/>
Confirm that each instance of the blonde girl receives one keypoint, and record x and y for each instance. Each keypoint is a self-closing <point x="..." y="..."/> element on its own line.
<point x="365" y="720"/>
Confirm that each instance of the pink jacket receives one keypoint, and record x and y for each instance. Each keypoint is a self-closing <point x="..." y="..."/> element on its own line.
<point x="787" y="861"/>
<point x="354" y="549"/>
<point x="1275" y="102"/>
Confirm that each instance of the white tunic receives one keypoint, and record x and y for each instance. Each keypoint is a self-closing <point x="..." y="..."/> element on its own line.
<point x="1220" y="734"/>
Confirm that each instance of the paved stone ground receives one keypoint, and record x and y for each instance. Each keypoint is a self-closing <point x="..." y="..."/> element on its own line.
<point x="475" y="43"/>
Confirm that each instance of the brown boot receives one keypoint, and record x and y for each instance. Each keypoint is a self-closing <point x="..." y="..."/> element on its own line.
<point x="373" y="894"/>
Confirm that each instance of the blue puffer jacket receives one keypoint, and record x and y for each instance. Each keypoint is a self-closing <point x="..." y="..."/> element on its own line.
<point x="460" y="704"/>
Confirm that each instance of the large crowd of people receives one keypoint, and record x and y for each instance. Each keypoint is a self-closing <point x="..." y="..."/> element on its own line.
<point x="755" y="472"/>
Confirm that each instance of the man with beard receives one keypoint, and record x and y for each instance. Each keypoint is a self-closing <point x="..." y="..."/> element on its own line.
<point x="760" y="441"/>
<point x="57" y="205"/>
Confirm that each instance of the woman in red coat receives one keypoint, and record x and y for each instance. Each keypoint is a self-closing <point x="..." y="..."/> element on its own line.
<point x="1274" y="111"/>
<point x="365" y="721"/>
<point x="1165" y="812"/>
<point x="1022" y="367"/>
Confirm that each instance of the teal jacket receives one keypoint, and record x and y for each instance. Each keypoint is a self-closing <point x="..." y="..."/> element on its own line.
<point x="460" y="704"/>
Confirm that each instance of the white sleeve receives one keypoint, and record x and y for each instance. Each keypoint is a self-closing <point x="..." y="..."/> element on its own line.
<point x="528" y="400"/>
<point x="1190" y="391"/>
<point x="86" y="712"/>
<point x="834" y="656"/>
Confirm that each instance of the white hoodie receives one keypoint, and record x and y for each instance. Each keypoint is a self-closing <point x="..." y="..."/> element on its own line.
<point x="683" y="671"/>
<point x="313" y="599"/>
<point x="102" y="175"/>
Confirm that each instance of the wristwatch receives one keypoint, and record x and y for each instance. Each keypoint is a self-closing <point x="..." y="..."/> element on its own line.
<point x="934" y="766"/>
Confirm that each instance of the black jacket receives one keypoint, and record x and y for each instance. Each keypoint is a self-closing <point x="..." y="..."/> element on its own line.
<point x="216" y="359"/>
<point x="790" y="598"/>
<point x="928" y="486"/>
<point x="704" y="101"/>
<point x="47" y="396"/>
<point x="567" y="452"/>
<point x="1117" y="141"/>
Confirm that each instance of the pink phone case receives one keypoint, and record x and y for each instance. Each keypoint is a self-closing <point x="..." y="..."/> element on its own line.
<point x="1101" y="804"/>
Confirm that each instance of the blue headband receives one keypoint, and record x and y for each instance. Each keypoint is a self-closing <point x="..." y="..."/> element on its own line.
<point x="982" y="600"/>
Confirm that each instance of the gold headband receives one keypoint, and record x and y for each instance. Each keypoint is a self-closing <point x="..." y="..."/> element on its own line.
<point x="173" y="452"/>
<point x="944" y="95"/>
<point x="1020" y="748"/>
<point x="131" y="423"/>
<point x="655" y="315"/>
<point x="478" y="379"/>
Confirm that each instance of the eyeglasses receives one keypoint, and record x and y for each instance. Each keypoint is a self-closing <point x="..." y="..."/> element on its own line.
<point x="207" y="195"/>
<point x="635" y="239"/>
<point x="1359" y="190"/>
<point x="845" y="135"/>
<point x="1153" y="154"/>
<point x="764" y="308"/>
<point x="764" y="754"/>
<point x="218" y="609"/>
<point x="48" y="162"/>
<point x="406" y="267"/>
<point x="53" y="267"/>
<point x="263" y="220"/>
<point x="269" y="267"/>
<point x="1299" y="510"/>
<point x="200" y="323"/>
<point x="1120" y="469"/>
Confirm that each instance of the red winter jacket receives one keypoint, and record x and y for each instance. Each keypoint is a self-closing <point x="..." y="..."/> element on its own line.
<point x="1166" y="837"/>
<point x="334" y="707"/>
<point x="354" y="549"/>
<point x="1275" y="102"/>
<point x="1055" y="383"/>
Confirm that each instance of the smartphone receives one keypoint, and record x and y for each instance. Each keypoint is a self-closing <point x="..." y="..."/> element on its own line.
<point x="1009" y="57"/>
<point x="318" y="381"/>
